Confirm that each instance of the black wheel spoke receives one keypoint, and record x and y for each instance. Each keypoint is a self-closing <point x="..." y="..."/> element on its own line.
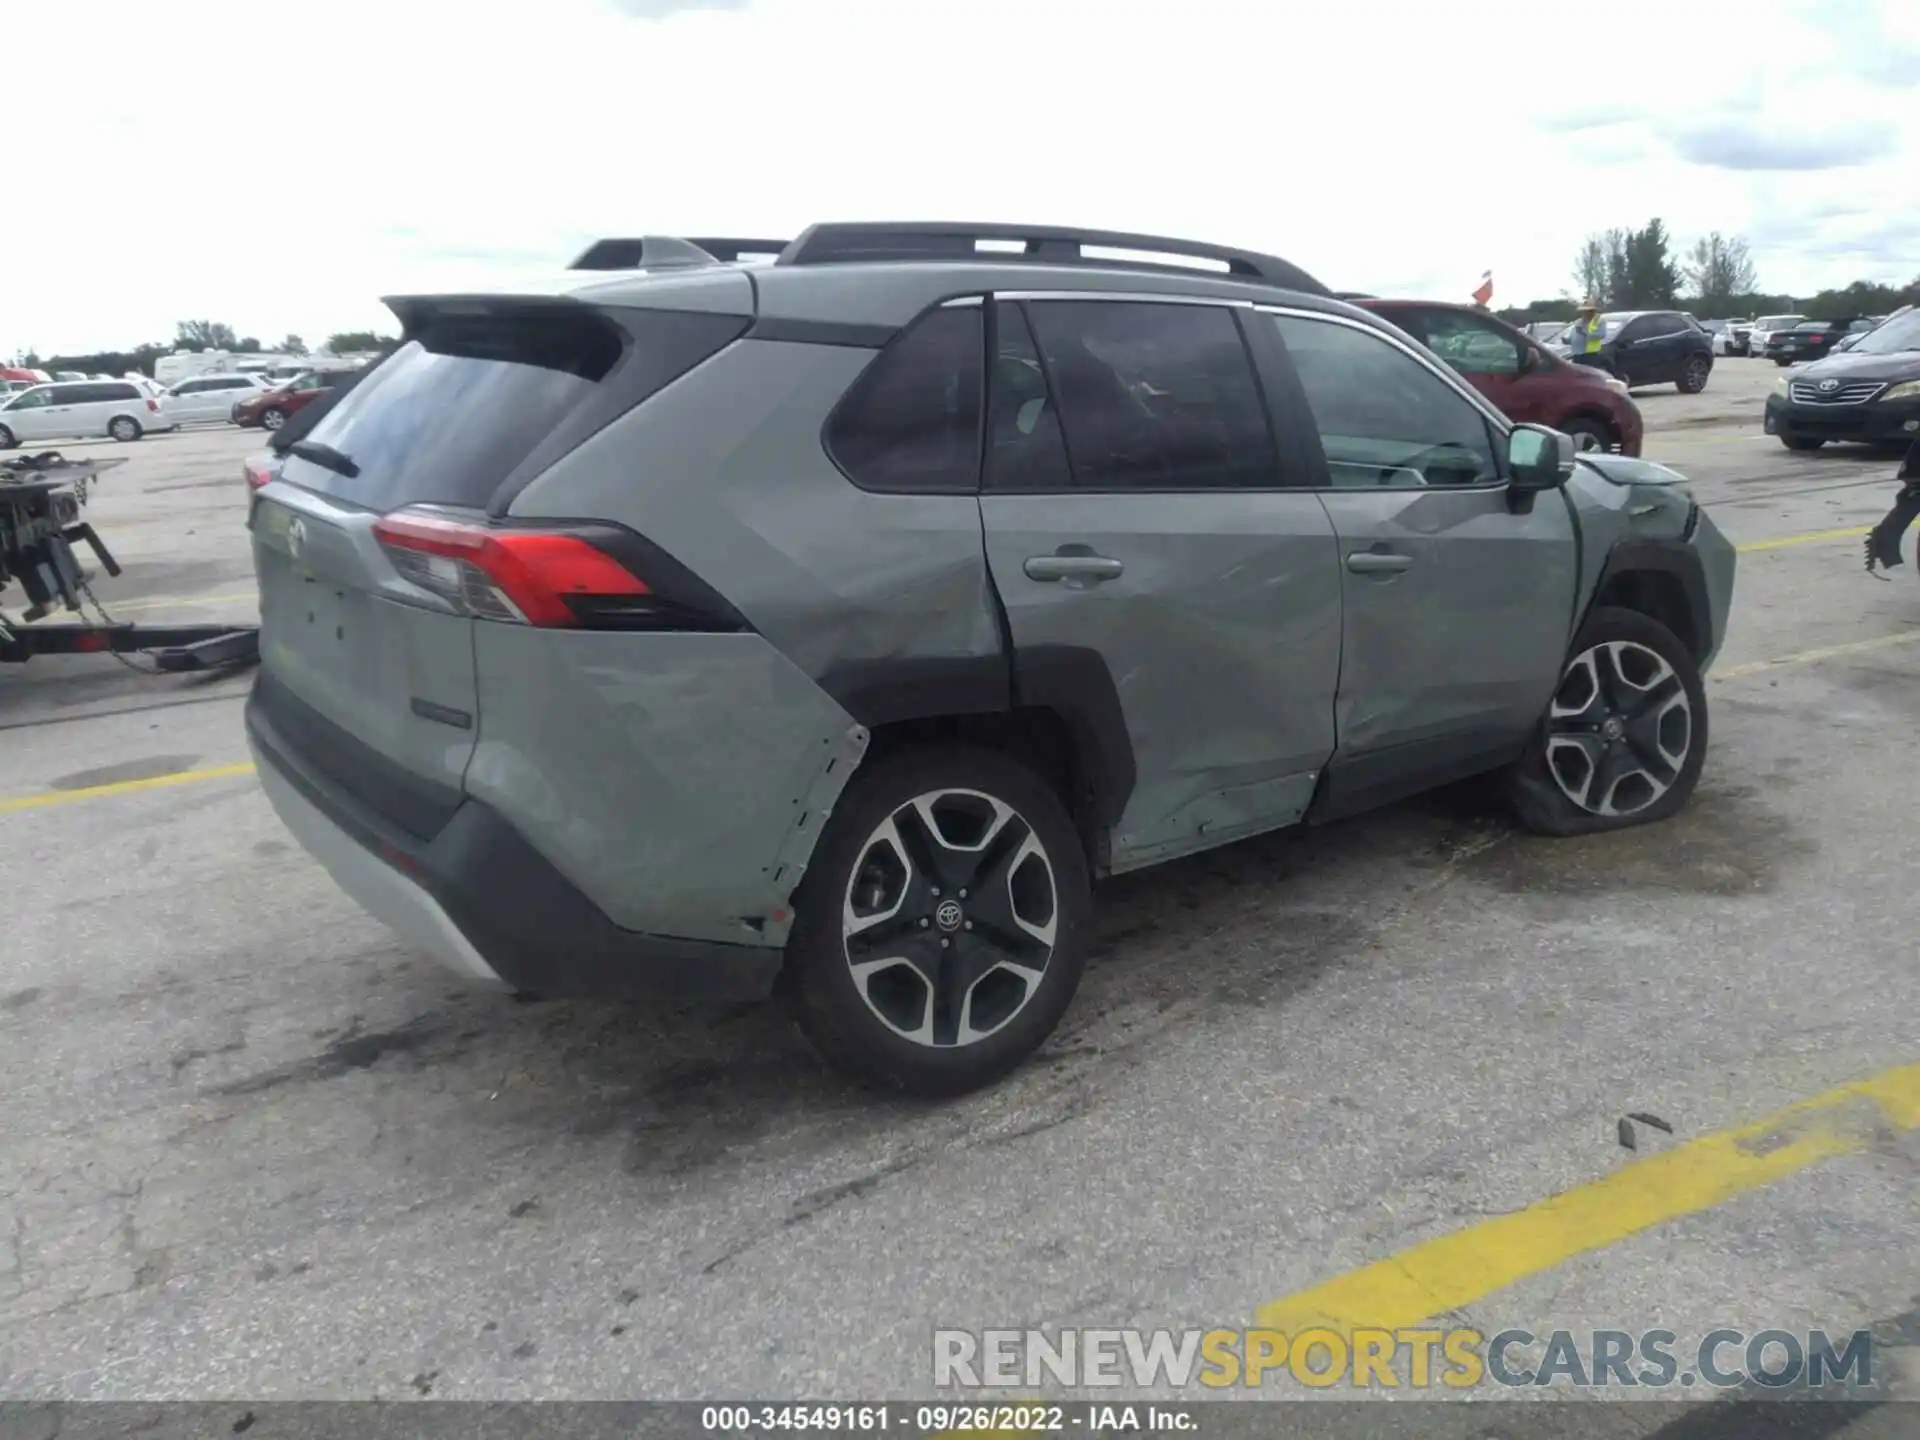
<point x="884" y="935"/>
<point x="963" y="964"/>
<point x="1580" y="701"/>
<point x="1654" y="698"/>
<point x="1582" y="784"/>
<point x="1612" y="685"/>
<point x="930" y="857"/>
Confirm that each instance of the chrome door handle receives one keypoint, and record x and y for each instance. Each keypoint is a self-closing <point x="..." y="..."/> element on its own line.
<point x="1074" y="569"/>
<point x="1378" y="562"/>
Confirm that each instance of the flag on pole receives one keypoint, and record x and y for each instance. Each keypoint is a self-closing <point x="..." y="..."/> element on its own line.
<point x="1483" y="294"/>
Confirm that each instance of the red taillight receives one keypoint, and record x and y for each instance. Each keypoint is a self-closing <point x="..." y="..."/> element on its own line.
<point x="258" y="473"/>
<point x="533" y="577"/>
<point x="153" y="405"/>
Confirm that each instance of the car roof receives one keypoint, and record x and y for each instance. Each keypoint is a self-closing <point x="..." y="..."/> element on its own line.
<point x="884" y="275"/>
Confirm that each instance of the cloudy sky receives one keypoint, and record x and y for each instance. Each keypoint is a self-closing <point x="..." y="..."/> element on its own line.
<point x="281" y="166"/>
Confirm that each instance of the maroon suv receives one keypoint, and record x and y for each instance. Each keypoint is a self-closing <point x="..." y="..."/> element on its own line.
<point x="1529" y="384"/>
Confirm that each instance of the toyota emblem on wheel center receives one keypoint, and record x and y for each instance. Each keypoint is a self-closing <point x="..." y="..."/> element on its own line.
<point x="947" y="917"/>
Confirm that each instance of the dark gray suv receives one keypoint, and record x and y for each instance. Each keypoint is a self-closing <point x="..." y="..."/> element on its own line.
<point x="829" y="626"/>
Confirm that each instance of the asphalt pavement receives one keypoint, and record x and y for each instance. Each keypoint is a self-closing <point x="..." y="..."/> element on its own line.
<point x="251" y="1149"/>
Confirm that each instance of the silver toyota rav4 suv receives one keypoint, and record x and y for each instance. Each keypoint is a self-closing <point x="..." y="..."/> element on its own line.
<point x="829" y="627"/>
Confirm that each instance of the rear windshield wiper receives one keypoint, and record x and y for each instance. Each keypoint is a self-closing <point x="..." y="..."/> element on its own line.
<point x="325" y="456"/>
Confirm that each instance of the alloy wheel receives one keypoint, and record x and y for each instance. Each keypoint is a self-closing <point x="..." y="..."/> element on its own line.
<point x="272" y="420"/>
<point x="949" y="918"/>
<point x="1619" y="730"/>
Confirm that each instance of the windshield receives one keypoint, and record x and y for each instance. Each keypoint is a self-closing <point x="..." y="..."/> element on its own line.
<point x="1777" y="322"/>
<point x="1895" y="337"/>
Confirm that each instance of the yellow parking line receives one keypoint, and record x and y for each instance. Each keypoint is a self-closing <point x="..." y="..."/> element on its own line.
<point x="122" y="787"/>
<point x="1851" y="533"/>
<point x="1824" y="652"/>
<point x="1430" y="1279"/>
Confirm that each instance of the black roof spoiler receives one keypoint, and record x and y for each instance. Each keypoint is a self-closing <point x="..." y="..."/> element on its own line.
<point x="950" y="240"/>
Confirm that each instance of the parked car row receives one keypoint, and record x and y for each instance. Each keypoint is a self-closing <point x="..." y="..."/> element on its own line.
<point x="1869" y="394"/>
<point x="82" y="409"/>
<point x="1650" y="347"/>
<point x="135" y="406"/>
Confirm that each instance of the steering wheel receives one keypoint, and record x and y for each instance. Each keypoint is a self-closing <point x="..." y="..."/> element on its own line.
<point x="1434" y="455"/>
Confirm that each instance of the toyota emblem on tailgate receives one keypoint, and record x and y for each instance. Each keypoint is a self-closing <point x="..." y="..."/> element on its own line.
<point x="296" y="536"/>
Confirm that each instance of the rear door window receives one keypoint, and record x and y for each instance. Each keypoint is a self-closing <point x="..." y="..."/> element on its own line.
<point x="911" y="422"/>
<point x="1155" y="396"/>
<point x="451" y="414"/>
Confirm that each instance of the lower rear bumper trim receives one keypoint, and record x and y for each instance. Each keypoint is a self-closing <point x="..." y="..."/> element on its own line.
<point x="481" y="900"/>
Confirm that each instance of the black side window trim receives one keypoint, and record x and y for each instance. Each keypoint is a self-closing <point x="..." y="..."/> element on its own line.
<point x="969" y="301"/>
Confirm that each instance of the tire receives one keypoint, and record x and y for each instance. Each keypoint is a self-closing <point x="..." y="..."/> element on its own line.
<point x="272" y="418"/>
<point x="124" y="428"/>
<point x="1590" y="433"/>
<point x="1621" y="663"/>
<point x="1802" y="442"/>
<point x="7" y="438"/>
<point x="1693" y="379"/>
<point x="1782" y="361"/>
<point x="883" y="1026"/>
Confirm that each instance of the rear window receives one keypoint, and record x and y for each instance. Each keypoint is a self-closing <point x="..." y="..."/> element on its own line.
<point x="449" y="416"/>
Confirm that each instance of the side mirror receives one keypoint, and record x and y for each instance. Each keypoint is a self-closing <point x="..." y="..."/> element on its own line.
<point x="1538" y="459"/>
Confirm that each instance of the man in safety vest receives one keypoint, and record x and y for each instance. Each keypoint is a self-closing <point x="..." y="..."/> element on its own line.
<point x="1587" y="336"/>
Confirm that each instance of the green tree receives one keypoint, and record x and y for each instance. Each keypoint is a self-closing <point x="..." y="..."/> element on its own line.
<point x="204" y="335"/>
<point x="1717" y="268"/>
<point x="1653" y="280"/>
<point x="349" y="342"/>
<point x="1590" y="270"/>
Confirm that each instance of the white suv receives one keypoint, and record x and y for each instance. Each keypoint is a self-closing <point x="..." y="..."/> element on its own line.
<point x="209" y="398"/>
<point x="81" y="409"/>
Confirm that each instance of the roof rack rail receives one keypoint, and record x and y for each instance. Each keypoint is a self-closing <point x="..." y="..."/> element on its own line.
<point x="829" y="244"/>
<point x="649" y="252"/>
<point x="1353" y="295"/>
<point x="730" y="250"/>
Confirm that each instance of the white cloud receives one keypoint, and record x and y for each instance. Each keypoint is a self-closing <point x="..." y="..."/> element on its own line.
<point x="281" y="167"/>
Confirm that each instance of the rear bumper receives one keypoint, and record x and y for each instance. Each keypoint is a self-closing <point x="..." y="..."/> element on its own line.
<point x="1878" y="422"/>
<point x="484" y="903"/>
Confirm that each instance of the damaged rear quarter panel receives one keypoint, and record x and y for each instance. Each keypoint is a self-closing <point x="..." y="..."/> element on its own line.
<point x="677" y="779"/>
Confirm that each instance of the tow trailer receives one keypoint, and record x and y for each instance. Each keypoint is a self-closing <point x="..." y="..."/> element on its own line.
<point x="41" y="500"/>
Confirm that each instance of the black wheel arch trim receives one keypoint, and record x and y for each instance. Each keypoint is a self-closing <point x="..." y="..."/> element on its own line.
<point x="1675" y="558"/>
<point x="1076" y="683"/>
<point x="1073" y="682"/>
